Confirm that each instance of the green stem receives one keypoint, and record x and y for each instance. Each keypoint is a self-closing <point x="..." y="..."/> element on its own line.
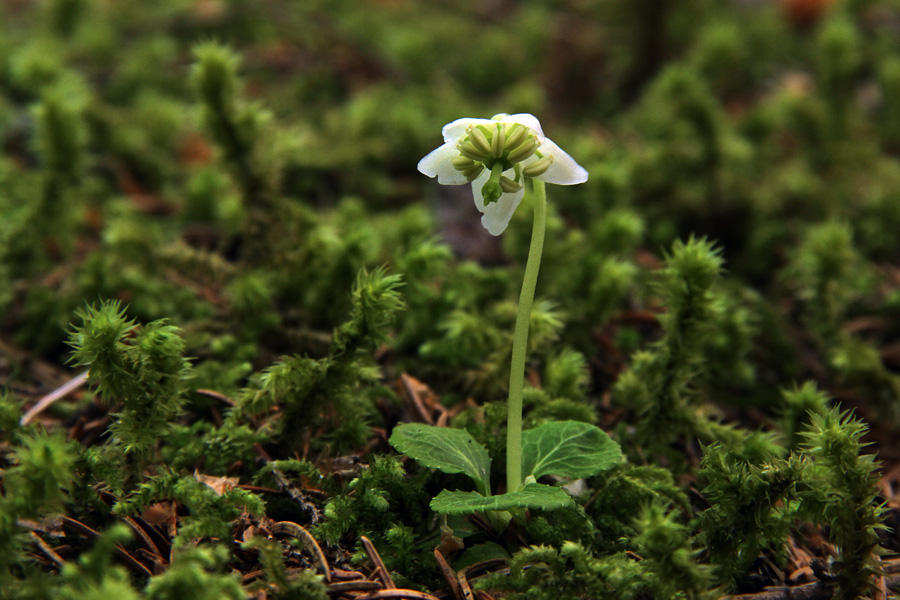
<point x="520" y="340"/>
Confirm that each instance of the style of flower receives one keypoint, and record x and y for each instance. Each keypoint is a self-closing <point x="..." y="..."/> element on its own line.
<point x="496" y="156"/>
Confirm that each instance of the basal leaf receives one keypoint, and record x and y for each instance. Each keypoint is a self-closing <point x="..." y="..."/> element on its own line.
<point x="569" y="449"/>
<point x="479" y="553"/>
<point x="445" y="449"/>
<point x="533" y="495"/>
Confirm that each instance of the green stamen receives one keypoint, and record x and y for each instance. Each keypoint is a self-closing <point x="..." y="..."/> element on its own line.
<point x="515" y="135"/>
<point x="538" y="167"/>
<point x="524" y="150"/>
<point x="469" y="151"/>
<point x="498" y="142"/>
<point x="461" y="163"/>
<point x="479" y="140"/>
<point x="509" y="186"/>
<point x="473" y="173"/>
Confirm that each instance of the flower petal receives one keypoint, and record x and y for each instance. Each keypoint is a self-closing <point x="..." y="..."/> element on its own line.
<point x="437" y="164"/>
<point x="496" y="215"/>
<point x="527" y="120"/>
<point x="564" y="170"/>
<point x="455" y="131"/>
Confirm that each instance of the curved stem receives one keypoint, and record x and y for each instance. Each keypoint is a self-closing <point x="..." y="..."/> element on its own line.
<point x="520" y="340"/>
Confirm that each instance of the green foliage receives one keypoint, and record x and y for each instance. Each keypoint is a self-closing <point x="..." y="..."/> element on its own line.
<point x="665" y="544"/>
<point x="531" y="495"/>
<point x="234" y="125"/>
<point x="445" y="449"/>
<point x="35" y="484"/>
<point x="622" y="489"/>
<point x="800" y="403"/>
<point x="472" y="330"/>
<point x="304" y="468"/>
<point x="889" y="83"/>
<point x="10" y="416"/>
<point x="95" y="576"/>
<point x="237" y="189"/>
<point x="217" y="449"/>
<point x="830" y="275"/>
<point x="842" y="491"/>
<point x="60" y="138"/>
<point x="42" y="472"/>
<point x="750" y="507"/>
<point x="566" y="375"/>
<point x="660" y="386"/>
<point x="211" y="513"/>
<point x="304" y="586"/>
<point x="544" y="573"/>
<point x="568" y="449"/>
<point x="832" y="278"/>
<point x="693" y="154"/>
<point x="379" y="504"/>
<point x="839" y="61"/>
<point x="140" y="366"/>
<point x="376" y="300"/>
<point x="192" y="575"/>
<point x="332" y="389"/>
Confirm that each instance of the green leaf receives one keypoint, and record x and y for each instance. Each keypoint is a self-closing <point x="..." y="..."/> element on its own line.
<point x="445" y="449"/>
<point x="533" y="495"/>
<point x="568" y="449"/>
<point x="479" y="553"/>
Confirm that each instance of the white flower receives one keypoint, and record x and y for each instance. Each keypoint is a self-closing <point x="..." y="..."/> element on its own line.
<point x="496" y="155"/>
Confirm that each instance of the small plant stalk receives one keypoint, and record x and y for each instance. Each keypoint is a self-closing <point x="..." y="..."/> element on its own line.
<point x="520" y="340"/>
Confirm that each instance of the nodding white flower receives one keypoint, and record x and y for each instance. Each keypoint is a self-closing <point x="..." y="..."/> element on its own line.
<point x="495" y="156"/>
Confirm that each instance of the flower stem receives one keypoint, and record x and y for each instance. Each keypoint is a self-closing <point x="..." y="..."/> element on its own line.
<point x="520" y="340"/>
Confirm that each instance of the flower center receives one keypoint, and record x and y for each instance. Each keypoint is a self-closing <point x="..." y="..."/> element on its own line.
<point x="488" y="145"/>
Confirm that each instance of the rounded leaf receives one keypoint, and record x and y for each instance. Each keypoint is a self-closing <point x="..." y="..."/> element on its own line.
<point x="568" y="449"/>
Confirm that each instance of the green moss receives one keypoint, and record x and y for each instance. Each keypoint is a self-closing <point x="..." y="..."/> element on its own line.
<point x="242" y="177"/>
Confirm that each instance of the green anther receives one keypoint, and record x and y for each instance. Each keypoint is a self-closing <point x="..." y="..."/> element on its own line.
<point x="479" y="140"/>
<point x="525" y="150"/>
<point x="461" y="163"/>
<point x="473" y="173"/>
<point x="538" y="167"/>
<point x="509" y="186"/>
<point x="498" y="142"/>
<point x="491" y="191"/>
<point x="515" y="135"/>
<point x="469" y="151"/>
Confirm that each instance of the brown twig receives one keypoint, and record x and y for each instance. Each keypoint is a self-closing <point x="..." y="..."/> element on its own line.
<point x="807" y="591"/>
<point x="57" y="394"/>
<point x="47" y="550"/>
<point x="343" y="575"/>
<point x="292" y="529"/>
<point x="148" y="542"/>
<point x="360" y="585"/>
<point x="449" y="574"/>
<point x="257" y="489"/>
<point x="252" y="576"/>
<point x="464" y="586"/>
<point x="217" y="396"/>
<point x="489" y="565"/>
<point x="379" y="564"/>
<point x="397" y="593"/>
<point x="130" y="561"/>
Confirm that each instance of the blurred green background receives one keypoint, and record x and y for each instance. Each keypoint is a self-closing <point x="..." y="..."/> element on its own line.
<point x="246" y="172"/>
<point x="231" y="165"/>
